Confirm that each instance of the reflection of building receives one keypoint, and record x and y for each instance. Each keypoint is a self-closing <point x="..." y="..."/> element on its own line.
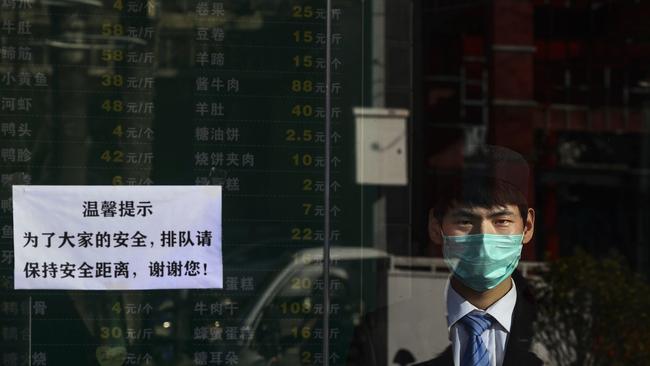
<point x="563" y="82"/>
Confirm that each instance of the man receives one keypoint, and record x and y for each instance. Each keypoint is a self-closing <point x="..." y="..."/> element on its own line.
<point x="483" y="223"/>
<point x="482" y="220"/>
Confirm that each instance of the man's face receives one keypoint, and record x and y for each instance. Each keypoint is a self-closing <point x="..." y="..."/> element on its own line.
<point x="502" y="219"/>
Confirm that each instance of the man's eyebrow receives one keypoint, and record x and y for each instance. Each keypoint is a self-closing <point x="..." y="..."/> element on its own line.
<point x="464" y="213"/>
<point x="502" y="212"/>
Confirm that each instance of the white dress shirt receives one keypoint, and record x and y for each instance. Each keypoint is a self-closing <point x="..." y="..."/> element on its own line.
<point x="495" y="337"/>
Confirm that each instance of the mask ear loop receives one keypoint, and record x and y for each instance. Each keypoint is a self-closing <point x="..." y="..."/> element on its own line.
<point x="442" y="233"/>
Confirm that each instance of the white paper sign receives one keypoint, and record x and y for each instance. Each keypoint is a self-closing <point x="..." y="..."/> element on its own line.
<point x="117" y="237"/>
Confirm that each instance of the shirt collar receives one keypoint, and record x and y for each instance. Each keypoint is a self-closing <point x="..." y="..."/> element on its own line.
<point x="501" y="311"/>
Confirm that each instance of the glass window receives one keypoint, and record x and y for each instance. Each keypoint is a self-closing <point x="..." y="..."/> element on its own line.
<point x="364" y="190"/>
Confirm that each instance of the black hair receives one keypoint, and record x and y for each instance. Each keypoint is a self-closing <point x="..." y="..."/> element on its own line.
<point x="478" y="191"/>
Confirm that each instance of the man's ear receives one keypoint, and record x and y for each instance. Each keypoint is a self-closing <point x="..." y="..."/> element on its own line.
<point x="435" y="233"/>
<point x="529" y="226"/>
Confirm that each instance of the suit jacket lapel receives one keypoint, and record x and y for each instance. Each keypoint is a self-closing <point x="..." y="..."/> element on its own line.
<point x="521" y="331"/>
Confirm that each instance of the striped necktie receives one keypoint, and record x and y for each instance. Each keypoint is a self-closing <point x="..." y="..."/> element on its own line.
<point x="476" y="353"/>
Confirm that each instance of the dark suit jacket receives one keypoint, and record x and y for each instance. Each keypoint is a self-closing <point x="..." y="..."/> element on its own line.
<point x="368" y="346"/>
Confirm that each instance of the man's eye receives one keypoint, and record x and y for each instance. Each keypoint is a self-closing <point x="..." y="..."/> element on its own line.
<point x="503" y="222"/>
<point x="463" y="222"/>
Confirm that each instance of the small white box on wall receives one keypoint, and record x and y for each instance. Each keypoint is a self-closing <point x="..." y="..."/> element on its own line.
<point x="381" y="146"/>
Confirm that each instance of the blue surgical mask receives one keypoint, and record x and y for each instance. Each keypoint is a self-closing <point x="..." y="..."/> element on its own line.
<point x="482" y="261"/>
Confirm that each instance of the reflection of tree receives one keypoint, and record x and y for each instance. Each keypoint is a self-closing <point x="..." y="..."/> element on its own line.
<point x="594" y="312"/>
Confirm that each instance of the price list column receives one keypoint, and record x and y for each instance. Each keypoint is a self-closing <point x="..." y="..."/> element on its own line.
<point x="258" y="116"/>
<point x="258" y="123"/>
<point x="24" y="83"/>
<point x="110" y="327"/>
<point x="124" y="77"/>
<point x="249" y="105"/>
<point x="76" y="107"/>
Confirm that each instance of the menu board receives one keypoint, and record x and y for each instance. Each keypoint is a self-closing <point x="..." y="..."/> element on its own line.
<point x="229" y="93"/>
